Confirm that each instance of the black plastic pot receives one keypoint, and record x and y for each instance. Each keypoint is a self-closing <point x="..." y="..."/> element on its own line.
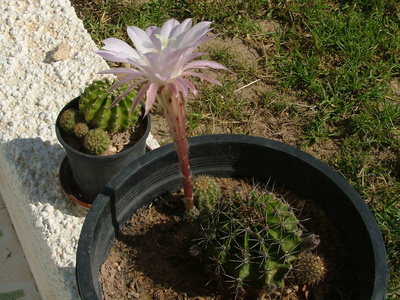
<point x="157" y="172"/>
<point x="91" y="172"/>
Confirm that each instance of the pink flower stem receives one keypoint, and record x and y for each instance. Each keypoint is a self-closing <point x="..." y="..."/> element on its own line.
<point x="174" y="111"/>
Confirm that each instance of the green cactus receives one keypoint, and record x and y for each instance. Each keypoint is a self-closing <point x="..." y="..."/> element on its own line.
<point x="80" y="130"/>
<point x="96" y="141"/>
<point x="95" y="105"/>
<point x="68" y="119"/>
<point x="251" y="242"/>
<point x="309" y="268"/>
<point x="205" y="193"/>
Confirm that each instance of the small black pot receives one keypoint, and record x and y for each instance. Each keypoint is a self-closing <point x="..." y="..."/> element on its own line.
<point x="92" y="172"/>
<point x="157" y="173"/>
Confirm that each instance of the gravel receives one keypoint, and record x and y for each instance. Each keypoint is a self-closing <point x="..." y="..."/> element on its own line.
<point x="33" y="89"/>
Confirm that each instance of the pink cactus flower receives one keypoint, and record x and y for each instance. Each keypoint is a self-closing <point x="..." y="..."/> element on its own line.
<point x="163" y="59"/>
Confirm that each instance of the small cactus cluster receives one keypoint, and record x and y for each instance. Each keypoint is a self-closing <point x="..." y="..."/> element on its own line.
<point x="94" y="118"/>
<point x="95" y="105"/>
<point x="309" y="268"/>
<point x="252" y="242"/>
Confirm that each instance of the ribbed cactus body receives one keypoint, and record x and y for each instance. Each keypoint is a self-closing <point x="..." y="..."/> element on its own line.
<point x="95" y="107"/>
<point x="252" y="242"/>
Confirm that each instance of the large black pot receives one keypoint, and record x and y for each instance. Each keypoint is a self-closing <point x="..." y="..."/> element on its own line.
<point x="91" y="172"/>
<point x="157" y="172"/>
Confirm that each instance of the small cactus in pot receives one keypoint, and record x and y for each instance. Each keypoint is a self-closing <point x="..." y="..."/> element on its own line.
<point x="251" y="242"/>
<point x="97" y="111"/>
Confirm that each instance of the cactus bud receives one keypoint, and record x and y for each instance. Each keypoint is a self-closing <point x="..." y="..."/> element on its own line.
<point x="96" y="141"/>
<point x="205" y="193"/>
<point x="309" y="268"/>
<point x="80" y="130"/>
<point x="69" y="119"/>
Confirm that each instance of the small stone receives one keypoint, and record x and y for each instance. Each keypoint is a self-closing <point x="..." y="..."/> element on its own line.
<point x="61" y="52"/>
<point x="310" y="242"/>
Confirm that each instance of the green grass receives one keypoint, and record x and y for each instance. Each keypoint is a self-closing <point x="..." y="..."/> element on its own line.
<point x="343" y="56"/>
<point x="338" y="57"/>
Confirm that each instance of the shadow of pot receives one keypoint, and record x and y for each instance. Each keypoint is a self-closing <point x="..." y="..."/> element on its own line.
<point x="157" y="173"/>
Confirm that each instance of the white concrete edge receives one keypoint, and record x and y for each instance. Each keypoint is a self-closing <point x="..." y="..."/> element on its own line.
<point x="30" y="252"/>
<point x="32" y="92"/>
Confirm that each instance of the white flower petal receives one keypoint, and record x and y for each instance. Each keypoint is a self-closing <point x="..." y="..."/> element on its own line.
<point x="167" y="27"/>
<point x="185" y="26"/>
<point x="120" y="97"/>
<point x="141" y="40"/>
<point x="151" y="96"/>
<point x="191" y="87"/>
<point x="152" y="32"/>
<point x="181" y="86"/>
<point x="122" y="81"/>
<point x="139" y="96"/>
<point x="203" y="64"/>
<point x="121" y="71"/>
<point x="111" y="56"/>
<point x="118" y="46"/>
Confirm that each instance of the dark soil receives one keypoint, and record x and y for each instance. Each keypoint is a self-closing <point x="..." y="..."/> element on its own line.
<point x="151" y="257"/>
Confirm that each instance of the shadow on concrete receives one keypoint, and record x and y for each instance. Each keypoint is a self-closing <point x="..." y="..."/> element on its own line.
<point x="35" y="165"/>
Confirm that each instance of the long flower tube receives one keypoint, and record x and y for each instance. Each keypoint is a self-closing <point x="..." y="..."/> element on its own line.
<point x="162" y="60"/>
<point x="174" y="111"/>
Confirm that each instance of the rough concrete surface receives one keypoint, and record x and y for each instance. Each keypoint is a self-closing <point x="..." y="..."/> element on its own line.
<point x="46" y="59"/>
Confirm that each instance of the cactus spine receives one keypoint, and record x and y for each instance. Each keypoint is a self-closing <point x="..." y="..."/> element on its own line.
<point x="96" y="141"/>
<point x="95" y="107"/>
<point x="251" y="242"/>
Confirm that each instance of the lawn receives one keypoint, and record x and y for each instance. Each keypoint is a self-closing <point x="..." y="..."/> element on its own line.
<point x="321" y="75"/>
